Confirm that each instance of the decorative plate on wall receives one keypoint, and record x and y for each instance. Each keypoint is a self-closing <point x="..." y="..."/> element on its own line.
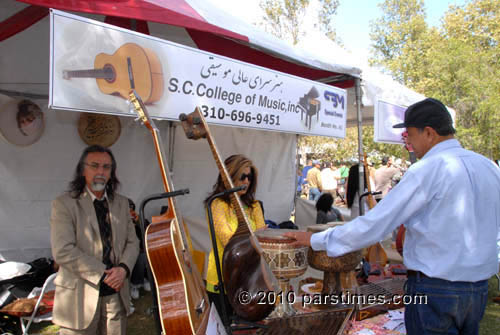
<point x="99" y="129"/>
<point x="21" y="121"/>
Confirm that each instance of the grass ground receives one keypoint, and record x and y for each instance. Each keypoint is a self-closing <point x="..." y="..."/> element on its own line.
<point x="142" y="323"/>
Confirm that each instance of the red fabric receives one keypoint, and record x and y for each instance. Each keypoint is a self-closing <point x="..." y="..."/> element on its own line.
<point x="21" y="20"/>
<point x="207" y="37"/>
<point x="173" y="12"/>
<point x="223" y="46"/>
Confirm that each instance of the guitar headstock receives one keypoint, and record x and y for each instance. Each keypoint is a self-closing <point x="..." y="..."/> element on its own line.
<point x="194" y="124"/>
<point x="138" y="106"/>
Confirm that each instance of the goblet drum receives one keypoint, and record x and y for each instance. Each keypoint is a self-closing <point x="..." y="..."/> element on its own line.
<point x="286" y="261"/>
<point x="338" y="273"/>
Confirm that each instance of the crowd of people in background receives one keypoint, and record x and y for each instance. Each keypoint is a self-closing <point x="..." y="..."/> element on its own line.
<point x="339" y="180"/>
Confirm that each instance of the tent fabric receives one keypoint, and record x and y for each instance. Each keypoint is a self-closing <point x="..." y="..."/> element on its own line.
<point x="33" y="176"/>
<point x="173" y="12"/>
<point x="21" y="20"/>
<point x="215" y="31"/>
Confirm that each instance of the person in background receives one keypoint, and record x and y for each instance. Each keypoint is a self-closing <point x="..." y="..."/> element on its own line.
<point x="383" y="177"/>
<point x="314" y="181"/>
<point x="300" y="181"/>
<point x="94" y="242"/>
<point x="328" y="180"/>
<point x="242" y="172"/>
<point x="449" y="202"/>
<point x="138" y="277"/>
<point x="325" y="212"/>
<point x="352" y="193"/>
<point x="344" y="173"/>
<point x="305" y="170"/>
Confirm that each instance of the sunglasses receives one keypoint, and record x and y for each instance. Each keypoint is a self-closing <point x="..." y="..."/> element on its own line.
<point x="245" y="176"/>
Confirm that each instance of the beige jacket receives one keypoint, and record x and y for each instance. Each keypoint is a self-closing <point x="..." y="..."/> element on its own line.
<point x="77" y="248"/>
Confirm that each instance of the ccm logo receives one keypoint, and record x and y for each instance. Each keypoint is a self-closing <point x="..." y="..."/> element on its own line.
<point x="335" y="98"/>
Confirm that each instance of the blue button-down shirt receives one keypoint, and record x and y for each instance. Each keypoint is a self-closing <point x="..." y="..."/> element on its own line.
<point x="449" y="202"/>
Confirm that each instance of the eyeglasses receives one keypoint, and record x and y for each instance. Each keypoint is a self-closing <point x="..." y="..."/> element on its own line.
<point x="96" y="166"/>
<point x="245" y="176"/>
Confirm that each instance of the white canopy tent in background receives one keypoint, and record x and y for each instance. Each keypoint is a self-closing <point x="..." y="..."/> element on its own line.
<point x="30" y="177"/>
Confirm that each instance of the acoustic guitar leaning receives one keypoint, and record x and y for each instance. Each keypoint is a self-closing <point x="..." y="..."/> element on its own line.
<point x="182" y="300"/>
<point x="131" y="67"/>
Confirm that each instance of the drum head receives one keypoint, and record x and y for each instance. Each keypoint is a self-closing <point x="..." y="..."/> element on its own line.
<point x="274" y="235"/>
<point x="316" y="228"/>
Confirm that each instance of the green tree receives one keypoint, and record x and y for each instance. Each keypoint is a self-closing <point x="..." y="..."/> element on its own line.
<point x="459" y="63"/>
<point x="284" y="18"/>
<point x="399" y="37"/>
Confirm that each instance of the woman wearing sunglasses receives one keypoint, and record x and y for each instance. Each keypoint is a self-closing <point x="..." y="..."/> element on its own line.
<point x="242" y="172"/>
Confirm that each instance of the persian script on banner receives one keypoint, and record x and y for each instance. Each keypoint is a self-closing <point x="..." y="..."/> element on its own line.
<point x="95" y="65"/>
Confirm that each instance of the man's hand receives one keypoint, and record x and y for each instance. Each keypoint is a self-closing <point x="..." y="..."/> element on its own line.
<point x="302" y="237"/>
<point x="115" y="277"/>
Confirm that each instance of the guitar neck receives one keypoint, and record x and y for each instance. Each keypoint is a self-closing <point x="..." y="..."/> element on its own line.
<point x="104" y="73"/>
<point x="167" y="185"/>
<point x="243" y="223"/>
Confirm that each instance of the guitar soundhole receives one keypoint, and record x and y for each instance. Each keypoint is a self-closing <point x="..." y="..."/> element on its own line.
<point x="110" y="73"/>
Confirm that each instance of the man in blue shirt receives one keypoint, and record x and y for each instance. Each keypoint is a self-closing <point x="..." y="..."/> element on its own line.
<point x="450" y="205"/>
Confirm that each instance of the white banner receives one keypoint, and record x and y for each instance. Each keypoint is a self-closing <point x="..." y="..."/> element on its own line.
<point x="95" y="65"/>
<point x="387" y="115"/>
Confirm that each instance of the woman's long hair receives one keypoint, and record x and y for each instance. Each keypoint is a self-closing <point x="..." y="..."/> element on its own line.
<point x="352" y="184"/>
<point x="324" y="202"/>
<point x="77" y="185"/>
<point x="235" y="165"/>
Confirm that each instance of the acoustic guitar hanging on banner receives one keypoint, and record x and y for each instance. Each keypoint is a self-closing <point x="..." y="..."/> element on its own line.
<point x="131" y="67"/>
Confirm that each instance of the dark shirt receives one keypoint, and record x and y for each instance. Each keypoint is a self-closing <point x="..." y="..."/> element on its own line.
<point x="332" y="215"/>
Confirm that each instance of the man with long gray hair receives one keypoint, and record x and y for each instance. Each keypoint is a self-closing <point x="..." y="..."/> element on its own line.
<point x="94" y="242"/>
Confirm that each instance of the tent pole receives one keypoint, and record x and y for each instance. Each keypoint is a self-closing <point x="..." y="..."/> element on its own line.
<point x="361" y="188"/>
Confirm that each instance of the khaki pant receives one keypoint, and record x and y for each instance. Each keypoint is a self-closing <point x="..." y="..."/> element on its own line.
<point x="110" y="319"/>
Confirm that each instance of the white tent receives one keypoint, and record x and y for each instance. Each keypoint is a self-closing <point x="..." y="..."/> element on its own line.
<point x="32" y="176"/>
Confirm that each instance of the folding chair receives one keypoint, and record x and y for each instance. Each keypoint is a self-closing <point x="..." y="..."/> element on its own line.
<point x="29" y="319"/>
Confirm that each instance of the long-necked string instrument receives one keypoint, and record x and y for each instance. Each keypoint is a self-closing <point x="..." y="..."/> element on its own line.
<point x="182" y="299"/>
<point x="243" y="266"/>
<point x="375" y="253"/>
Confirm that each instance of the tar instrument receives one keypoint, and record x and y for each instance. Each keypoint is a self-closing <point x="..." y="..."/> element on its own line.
<point x="182" y="299"/>
<point x="375" y="253"/>
<point x="131" y="67"/>
<point x="243" y="265"/>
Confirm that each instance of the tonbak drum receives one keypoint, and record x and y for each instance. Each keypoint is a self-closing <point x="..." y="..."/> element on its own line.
<point x="286" y="261"/>
<point x="339" y="273"/>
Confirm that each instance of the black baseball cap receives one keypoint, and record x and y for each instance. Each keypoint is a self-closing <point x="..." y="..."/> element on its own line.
<point x="426" y="113"/>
